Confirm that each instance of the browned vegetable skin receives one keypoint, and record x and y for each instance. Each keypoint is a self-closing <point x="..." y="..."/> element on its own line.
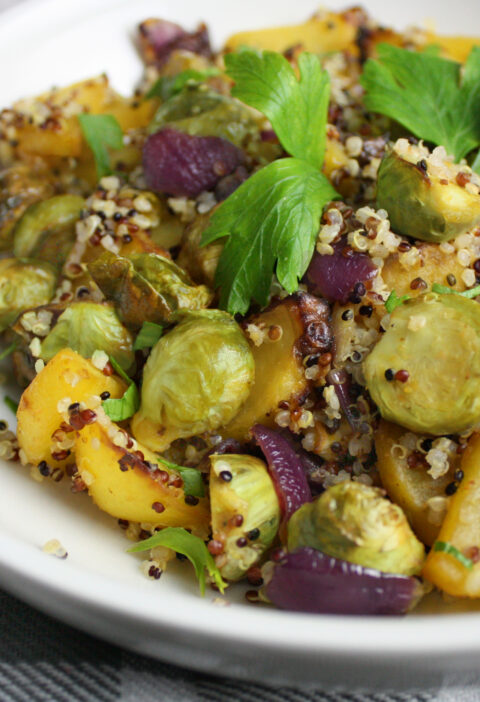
<point x="199" y="261"/>
<point x="409" y="487"/>
<point x="293" y="328"/>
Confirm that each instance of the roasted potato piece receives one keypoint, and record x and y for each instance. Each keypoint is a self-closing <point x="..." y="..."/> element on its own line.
<point x="410" y="488"/>
<point x="47" y="125"/>
<point x="433" y="266"/>
<point x="279" y="371"/>
<point x="128" y="488"/>
<point x="460" y="531"/>
<point x="66" y="376"/>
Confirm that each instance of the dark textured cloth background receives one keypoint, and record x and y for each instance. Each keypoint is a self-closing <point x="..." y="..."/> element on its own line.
<point x="42" y="660"/>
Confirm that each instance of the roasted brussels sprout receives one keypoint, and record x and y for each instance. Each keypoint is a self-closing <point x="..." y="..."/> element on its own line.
<point x="195" y="380"/>
<point x="86" y="327"/>
<point x="424" y="373"/>
<point x="424" y="200"/>
<point x="24" y="283"/>
<point x="146" y="287"/>
<point x="200" y="261"/>
<point x="199" y="111"/>
<point x="46" y="231"/>
<point x="241" y="486"/>
<point x="355" y="523"/>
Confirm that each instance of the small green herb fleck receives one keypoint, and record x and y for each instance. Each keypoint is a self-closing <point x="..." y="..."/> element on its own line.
<point x="443" y="290"/>
<point x="101" y="132"/>
<point x="181" y="541"/>
<point x="192" y="478"/>
<point x="124" y="407"/>
<point x="393" y="301"/>
<point x="10" y="349"/>
<point x="168" y="86"/>
<point x="148" y="336"/>
<point x="11" y="404"/>
<point x="452" y="551"/>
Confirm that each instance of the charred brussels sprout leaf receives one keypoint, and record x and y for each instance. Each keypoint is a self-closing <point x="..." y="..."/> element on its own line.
<point x="249" y="492"/>
<point x="355" y="523"/>
<point x="198" y="111"/>
<point x="86" y="327"/>
<point x="195" y="380"/>
<point x="146" y="287"/>
<point x="24" y="283"/>
<point x="47" y="229"/>
<point x="420" y="206"/>
<point x="441" y="389"/>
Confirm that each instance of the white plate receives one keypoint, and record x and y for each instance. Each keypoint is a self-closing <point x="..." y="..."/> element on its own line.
<point x="99" y="588"/>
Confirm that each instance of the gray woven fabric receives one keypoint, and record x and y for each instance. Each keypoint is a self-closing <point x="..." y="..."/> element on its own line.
<point x="42" y="660"/>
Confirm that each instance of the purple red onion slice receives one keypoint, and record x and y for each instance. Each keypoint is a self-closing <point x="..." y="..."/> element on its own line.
<point x="183" y="165"/>
<point x="335" y="276"/>
<point x="286" y="470"/>
<point x="308" y="580"/>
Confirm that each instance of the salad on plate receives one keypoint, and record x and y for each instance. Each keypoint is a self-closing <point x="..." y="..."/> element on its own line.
<point x="242" y="307"/>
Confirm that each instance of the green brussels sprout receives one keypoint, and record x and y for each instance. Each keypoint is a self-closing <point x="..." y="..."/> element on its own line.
<point x="195" y="379"/>
<point x="46" y="230"/>
<point x="199" y="261"/>
<point x="146" y="287"/>
<point x="435" y="341"/>
<point x="356" y="523"/>
<point x="199" y="111"/>
<point x="251" y="494"/>
<point x="24" y="283"/>
<point x="86" y="327"/>
<point x="419" y="204"/>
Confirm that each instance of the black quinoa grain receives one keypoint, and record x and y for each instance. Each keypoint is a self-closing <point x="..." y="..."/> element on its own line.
<point x="226" y="476"/>
<point x="451" y="488"/>
<point x="74" y="406"/>
<point x="191" y="500"/>
<point x="104" y="395"/>
<point x="389" y="374"/>
<point x="451" y="280"/>
<point x="366" y="310"/>
<point x="253" y="534"/>
<point x="347" y="315"/>
<point x="458" y="475"/>
<point x="44" y="468"/>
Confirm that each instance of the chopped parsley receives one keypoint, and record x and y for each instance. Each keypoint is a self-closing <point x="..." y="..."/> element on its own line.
<point x="11" y="404"/>
<point x="123" y="407"/>
<point x="181" y="541"/>
<point x="101" y="132"/>
<point x="192" y="478"/>
<point x="148" y="336"/>
<point x="272" y="219"/>
<point x="452" y="551"/>
<point x="435" y="98"/>
<point x="443" y="290"/>
<point x="393" y="301"/>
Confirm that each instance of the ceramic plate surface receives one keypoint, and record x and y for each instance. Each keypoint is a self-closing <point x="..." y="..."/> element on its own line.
<point x="99" y="588"/>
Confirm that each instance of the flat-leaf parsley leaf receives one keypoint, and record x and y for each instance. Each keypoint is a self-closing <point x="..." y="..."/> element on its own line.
<point x="100" y="132"/>
<point x="273" y="216"/>
<point x="123" y="407"/>
<point x="181" y="541"/>
<point x="431" y="96"/>
<point x="297" y="109"/>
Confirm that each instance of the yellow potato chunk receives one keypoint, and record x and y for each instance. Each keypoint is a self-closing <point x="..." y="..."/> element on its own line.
<point x="67" y="375"/>
<point x="410" y="488"/>
<point x="124" y="486"/>
<point x="460" y="530"/>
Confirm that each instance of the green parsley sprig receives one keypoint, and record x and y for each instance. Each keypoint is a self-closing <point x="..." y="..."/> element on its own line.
<point x="272" y="219"/>
<point x="101" y="132"/>
<point x="393" y="301"/>
<point x="181" y="541"/>
<point x="168" y="86"/>
<point x="432" y="97"/>
<point x="123" y="407"/>
<point x="192" y="478"/>
<point x="443" y="290"/>
<point x="148" y="336"/>
<point x="453" y="551"/>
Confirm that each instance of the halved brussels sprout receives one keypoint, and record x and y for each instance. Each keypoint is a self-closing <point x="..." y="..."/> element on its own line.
<point x="47" y="229"/>
<point x="146" y="287"/>
<point x="241" y="486"/>
<point x="356" y="523"/>
<point x="423" y="201"/>
<point x="195" y="380"/>
<point x="24" y="283"/>
<point x="199" y="111"/>
<point x="424" y="373"/>
<point x="86" y="327"/>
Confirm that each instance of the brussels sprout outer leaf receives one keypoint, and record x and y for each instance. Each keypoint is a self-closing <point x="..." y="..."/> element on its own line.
<point x="100" y="132"/>
<point x="286" y="470"/>
<point x="192" y="478"/>
<point x="148" y="336"/>
<point x="308" y="580"/>
<point x="24" y="283"/>
<point x="192" y="547"/>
